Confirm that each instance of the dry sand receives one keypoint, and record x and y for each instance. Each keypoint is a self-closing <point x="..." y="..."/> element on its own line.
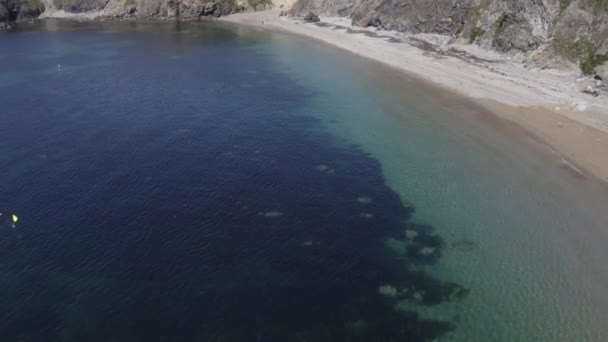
<point x="547" y="103"/>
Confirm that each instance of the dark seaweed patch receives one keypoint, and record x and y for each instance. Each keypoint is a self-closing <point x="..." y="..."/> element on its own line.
<point x="160" y="216"/>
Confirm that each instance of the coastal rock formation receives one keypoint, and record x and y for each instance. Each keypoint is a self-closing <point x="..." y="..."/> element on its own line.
<point x="182" y="9"/>
<point x="311" y="18"/>
<point x="12" y="11"/>
<point x="574" y="29"/>
<point x="602" y="72"/>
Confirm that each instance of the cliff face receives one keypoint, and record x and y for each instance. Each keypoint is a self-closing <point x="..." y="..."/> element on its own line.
<point x="12" y="11"/>
<point x="183" y="9"/>
<point x="575" y="29"/>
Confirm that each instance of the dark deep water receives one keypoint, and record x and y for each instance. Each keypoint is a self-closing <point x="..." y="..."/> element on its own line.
<point x="172" y="187"/>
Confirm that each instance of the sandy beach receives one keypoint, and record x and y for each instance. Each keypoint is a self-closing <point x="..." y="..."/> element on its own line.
<point x="548" y="103"/>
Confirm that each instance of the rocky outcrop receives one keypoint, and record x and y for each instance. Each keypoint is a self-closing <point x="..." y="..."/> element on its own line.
<point x="311" y="18"/>
<point x="80" y="6"/>
<point x="178" y="9"/>
<point x="575" y="29"/>
<point x="13" y="11"/>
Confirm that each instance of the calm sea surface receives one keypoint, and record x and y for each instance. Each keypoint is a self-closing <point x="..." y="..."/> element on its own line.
<point x="208" y="182"/>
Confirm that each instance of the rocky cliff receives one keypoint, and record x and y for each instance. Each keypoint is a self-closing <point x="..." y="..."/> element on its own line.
<point x="12" y="11"/>
<point x="575" y="29"/>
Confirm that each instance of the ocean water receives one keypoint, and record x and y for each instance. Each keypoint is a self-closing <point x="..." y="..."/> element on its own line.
<point x="209" y="182"/>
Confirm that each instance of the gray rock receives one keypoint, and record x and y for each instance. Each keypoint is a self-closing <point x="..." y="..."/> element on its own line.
<point x="311" y="18"/>
<point x="14" y="11"/>
<point x="602" y="71"/>
<point x="591" y="91"/>
<point x="80" y="6"/>
<point x="603" y="49"/>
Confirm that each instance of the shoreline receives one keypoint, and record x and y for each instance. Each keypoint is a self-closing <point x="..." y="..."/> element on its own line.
<point x="543" y="103"/>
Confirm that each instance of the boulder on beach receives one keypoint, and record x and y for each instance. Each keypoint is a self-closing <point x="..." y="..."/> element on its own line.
<point x="601" y="71"/>
<point x="311" y="18"/>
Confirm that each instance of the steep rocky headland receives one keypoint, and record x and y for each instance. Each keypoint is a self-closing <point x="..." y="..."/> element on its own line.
<point x="12" y="11"/>
<point x="574" y="29"/>
<point x="15" y="11"/>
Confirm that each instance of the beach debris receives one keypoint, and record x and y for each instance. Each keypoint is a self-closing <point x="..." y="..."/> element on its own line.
<point x="367" y="216"/>
<point x="396" y="246"/>
<point x="591" y="91"/>
<point x="427" y="251"/>
<point x="410" y="234"/>
<point x="271" y="214"/>
<point x="364" y="199"/>
<point x="388" y="291"/>
<point x="311" y="18"/>
<point x="559" y="124"/>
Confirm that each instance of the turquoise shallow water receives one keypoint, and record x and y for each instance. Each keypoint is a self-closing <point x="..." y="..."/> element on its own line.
<point x="208" y="182"/>
<point x="519" y="226"/>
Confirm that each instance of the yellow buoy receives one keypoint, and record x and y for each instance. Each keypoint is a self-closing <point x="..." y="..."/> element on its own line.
<point x="15" y="218"/>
